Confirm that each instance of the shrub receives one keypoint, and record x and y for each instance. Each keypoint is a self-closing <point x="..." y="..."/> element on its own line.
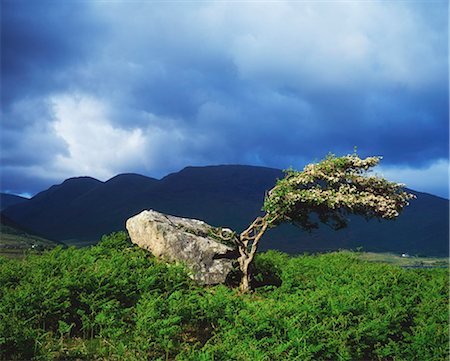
<point x="115" y="301"/>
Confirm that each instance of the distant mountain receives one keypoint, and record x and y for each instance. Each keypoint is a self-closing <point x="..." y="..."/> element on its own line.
<point x="7" y="200"/>
<point x="232" y="195"/>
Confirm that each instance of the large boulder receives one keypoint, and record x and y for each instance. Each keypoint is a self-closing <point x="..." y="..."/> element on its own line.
<point x="183" y="240"/>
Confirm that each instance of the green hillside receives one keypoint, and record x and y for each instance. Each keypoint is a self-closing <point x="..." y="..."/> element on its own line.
<point x="15" y="241"/>
<point x="403" y="261"/>
<point x="114" y="301"/>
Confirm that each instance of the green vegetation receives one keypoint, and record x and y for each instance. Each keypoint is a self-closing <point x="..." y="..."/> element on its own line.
<point x="405" y="261"/>
<point x="325" y="192"/>
<point x="115" y="301"/>
<point x="15" y="242"/>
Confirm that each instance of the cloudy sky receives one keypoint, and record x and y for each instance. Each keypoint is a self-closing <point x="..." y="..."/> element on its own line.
<point x="105" y="87"/>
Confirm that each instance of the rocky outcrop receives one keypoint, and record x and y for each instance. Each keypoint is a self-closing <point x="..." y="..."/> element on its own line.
<point x="184" y="240"/>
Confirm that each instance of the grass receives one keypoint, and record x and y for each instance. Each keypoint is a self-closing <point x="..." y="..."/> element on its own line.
<point x="114" y="301"/>
<point x="403" y="261"/>
<point x="78" y="243"/>
<point x="16" y="243"/>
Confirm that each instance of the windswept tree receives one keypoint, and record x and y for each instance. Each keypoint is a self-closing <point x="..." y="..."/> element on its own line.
<point x="325" y="192"/>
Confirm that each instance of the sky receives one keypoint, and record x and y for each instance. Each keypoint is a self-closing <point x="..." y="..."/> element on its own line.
<point x="98" y="88"/>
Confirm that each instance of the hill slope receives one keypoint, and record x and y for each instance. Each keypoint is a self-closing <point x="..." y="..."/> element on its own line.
<point x="115" y="302"/>
<point x="231" y="196"/>
<point x="14" y="240"/>
<point x="7" y="200"/>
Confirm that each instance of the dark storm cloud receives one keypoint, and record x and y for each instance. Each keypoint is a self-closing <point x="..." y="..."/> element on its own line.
<point x="406" y="126"/>
<point x="152" y="87"/>
<point x="40" y="40"/>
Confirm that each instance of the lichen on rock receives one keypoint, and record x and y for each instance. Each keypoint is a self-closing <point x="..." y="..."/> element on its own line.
<point x="184" y="240"/>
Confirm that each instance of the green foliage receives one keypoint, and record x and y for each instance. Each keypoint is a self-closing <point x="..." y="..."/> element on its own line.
<point x="115" y="301"/>
<point x="331" y="189"/>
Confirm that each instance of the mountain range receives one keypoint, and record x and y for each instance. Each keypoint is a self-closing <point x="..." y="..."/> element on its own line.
<point x="81" y="210"/>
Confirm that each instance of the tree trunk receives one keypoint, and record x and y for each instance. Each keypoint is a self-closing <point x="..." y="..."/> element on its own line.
<point x="248" y="245"/>
<point x="245" y="282"/>
<point x="244" y="265"/>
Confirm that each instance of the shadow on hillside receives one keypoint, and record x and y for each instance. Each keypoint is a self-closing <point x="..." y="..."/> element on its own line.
<point x="265" y="273"/>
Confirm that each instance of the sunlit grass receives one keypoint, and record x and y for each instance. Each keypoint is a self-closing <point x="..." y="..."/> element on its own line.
<point x="115" y="301"/>
<point x="405" y="260"/>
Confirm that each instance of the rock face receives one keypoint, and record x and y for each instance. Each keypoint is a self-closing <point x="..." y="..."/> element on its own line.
<point x="184" y="240"/>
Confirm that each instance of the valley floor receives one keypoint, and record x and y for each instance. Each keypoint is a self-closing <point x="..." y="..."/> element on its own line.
<point x="403" y="260"/>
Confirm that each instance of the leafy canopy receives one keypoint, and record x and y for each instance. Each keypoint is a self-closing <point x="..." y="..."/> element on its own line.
<point x="332" y="189"/>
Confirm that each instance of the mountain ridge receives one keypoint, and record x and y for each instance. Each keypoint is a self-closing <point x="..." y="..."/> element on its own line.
<point x="8" y="199"/>
<point x="84" y="208"/>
